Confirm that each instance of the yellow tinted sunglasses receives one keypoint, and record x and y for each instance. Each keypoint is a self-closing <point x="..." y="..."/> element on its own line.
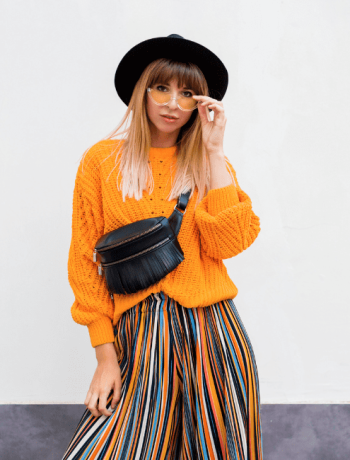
<point x="186" y="103"/>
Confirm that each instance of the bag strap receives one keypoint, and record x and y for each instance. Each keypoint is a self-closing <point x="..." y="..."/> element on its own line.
<point x="175" y="219"/>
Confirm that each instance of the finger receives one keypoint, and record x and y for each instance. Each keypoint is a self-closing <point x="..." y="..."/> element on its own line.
<point x="208" y="102"/>
<point x="88" y="396"/>
<point x="219" y="113"/>
<point x="217" y="107"/>
<point x="205" y="98"/>
<point x="92" y="406"/>
<point x="210" y="106"/>
<point x="102" y="403"/>
<point x="204" y="114"/>
<point x="203" y="103"/>
<point x="116" y="396"/>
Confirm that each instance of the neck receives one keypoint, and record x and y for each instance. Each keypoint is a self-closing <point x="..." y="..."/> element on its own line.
<point x="163" y="145"/>
<point x="163" y="140"/>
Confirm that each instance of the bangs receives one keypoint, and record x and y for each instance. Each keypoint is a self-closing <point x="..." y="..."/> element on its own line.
<point x="185" y="73"/>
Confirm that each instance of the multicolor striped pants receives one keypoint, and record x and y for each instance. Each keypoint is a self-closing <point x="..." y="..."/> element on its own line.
<point x="190" y="388"/>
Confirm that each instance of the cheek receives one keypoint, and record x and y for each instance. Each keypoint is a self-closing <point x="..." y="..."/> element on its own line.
<point x="151" y="110"/>
<point x="185" y="116"/>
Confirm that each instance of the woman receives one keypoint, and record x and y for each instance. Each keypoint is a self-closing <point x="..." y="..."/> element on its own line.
<point x="176" y="376"/>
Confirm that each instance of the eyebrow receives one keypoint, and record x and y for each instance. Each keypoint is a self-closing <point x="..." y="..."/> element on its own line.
<point x="184" y="87"/>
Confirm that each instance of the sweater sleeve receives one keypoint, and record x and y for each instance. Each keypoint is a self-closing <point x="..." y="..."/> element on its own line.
<point x="226" y="221"/>
<point x="93" y="305"/>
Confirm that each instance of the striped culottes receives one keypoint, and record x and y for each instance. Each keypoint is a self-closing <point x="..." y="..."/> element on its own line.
<point x="190" y="388"/>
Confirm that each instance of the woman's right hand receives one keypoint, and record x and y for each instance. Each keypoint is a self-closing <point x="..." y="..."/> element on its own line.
<point x="107" y="377"/>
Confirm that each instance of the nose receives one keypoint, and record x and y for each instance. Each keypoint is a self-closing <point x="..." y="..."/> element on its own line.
<point x="173" y="103"/>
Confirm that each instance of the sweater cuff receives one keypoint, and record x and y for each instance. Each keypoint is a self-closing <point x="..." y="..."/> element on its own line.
<point x="101" y="331"/>
<point x="222" y="198"/>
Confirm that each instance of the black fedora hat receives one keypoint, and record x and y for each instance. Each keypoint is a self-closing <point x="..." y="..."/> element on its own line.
<point x="172" y="47"/>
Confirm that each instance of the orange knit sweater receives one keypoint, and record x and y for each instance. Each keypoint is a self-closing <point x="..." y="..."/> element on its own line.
<point x="222" y="226"/>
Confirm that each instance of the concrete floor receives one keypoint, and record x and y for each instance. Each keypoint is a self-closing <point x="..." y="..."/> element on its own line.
<point x="290" y="431"/>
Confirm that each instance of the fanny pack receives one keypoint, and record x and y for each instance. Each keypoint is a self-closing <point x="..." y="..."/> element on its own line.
<point x="137" y="255"/>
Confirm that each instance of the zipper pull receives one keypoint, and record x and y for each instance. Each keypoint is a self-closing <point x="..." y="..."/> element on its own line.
<point x="100" y="269"/>
<point x="94" y="258"/>
<point x="112" y="296"/>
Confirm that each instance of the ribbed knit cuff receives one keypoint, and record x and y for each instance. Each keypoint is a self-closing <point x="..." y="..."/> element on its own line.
<point x="101" y="331"/>
<point x="222" y="198"/>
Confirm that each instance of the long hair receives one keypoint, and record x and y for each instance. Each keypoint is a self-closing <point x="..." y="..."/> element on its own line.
<point x="132" y="152"/>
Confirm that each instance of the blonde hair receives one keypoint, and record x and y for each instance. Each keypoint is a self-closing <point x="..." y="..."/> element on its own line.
<point x="132" y="153"/>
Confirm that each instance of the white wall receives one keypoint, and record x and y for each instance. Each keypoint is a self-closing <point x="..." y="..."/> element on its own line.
<point x="287" y="135"/>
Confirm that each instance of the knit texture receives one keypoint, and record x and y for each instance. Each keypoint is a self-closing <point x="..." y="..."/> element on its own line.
<point x="222" y="226"/>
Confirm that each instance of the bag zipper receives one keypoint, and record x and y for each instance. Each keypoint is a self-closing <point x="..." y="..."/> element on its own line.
<point x="94" y="257"/>
<point x="133" y="256"/>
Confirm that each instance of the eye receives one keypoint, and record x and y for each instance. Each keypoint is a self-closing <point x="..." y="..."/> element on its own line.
<point x="189" y="93"/>
<point x="160" y="88"/>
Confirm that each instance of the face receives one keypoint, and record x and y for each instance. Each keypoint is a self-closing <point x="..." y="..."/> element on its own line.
<point x="160" y="127"/>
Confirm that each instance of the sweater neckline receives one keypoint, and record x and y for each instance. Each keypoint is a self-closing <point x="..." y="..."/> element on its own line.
<point x="162" y="152"/>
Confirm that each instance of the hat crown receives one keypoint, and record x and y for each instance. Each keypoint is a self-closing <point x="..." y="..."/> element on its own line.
<point x="174" y="36"/>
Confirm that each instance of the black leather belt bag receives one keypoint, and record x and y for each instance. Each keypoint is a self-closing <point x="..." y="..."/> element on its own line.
<point x="140" y="254"/>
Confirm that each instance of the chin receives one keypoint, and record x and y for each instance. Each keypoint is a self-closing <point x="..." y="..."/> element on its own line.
<point x="168" y="129"/>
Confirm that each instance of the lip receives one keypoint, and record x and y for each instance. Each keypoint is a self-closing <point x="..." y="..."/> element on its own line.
<point x="169" y="119"/>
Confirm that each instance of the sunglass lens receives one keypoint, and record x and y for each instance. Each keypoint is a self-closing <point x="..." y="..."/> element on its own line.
<point x="187" y="103"/>
<point x="161" y="97"/>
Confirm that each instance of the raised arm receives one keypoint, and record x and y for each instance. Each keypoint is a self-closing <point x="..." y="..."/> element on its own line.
<point x="226" y="220"/>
